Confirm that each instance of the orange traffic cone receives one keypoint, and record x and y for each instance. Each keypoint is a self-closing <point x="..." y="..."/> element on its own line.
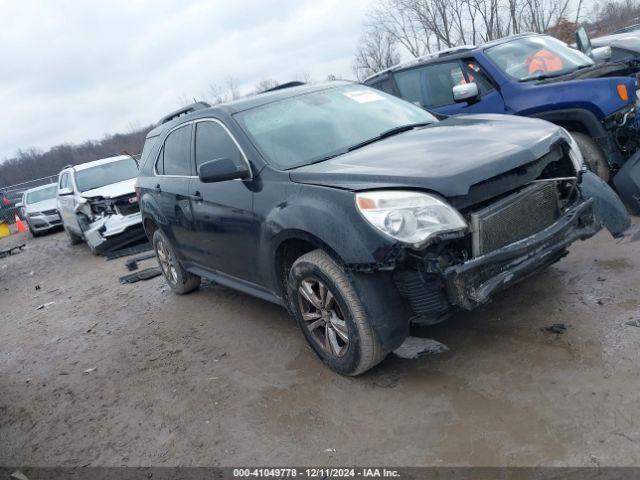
<point x="20" y="226"/>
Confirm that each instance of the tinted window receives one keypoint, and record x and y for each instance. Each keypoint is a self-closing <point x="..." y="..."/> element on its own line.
<point x="385" y="85"/>
<point x="213" y="142"/>
<point x="430" y="86"/>
<point x="176" y="152"/>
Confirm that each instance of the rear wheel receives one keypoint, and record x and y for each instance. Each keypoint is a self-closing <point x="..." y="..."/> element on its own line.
<point x="593" y="155"/>
<point x="331" y="315"/>
<point x="177" y="277"/>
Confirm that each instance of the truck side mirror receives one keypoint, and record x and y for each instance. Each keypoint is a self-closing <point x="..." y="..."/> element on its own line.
<point x="466" y="92"/>
<point x="601" y="54"/>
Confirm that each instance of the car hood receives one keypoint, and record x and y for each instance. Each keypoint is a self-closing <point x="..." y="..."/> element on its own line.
<point x="447" y="157"/>
<point x="49" y="204"/>
<point x="113" y="190"/>
<point x="626" y="41"/>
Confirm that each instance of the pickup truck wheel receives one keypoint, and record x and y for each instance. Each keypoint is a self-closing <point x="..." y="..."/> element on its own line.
<point x="593" y="155"/>
<point x="177" y="277"/>
<point x="331" y="315"/>
<point x="72" y="238"/>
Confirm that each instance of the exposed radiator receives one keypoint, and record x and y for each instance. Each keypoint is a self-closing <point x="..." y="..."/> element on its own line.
<point x="515" y="217"/>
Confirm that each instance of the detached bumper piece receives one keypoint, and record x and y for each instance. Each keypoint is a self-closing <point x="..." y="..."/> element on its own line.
<point x="472" y="283"/>
<point x="114" y="232"/>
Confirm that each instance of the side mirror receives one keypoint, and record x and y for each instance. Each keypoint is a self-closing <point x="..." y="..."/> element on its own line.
<point x="65" y="191"/>
<point x="220" y="170"/>
<point x="583" y="41"/>
<point x="601" y="54"/>
<point x="466" y="92"/>
<point x="19" y="205"/>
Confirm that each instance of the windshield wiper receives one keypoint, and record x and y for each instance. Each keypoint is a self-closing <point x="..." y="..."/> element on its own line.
<point x="388" y="133"/>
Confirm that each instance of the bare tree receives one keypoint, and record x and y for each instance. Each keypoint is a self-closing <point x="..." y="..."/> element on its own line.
<point x="218" y="94"/>
<point x="377" y="51"/>
<point x="265" y="84"/>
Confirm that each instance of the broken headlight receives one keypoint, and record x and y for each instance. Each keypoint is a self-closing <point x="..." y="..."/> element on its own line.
<point x="574" y="152"/>
<point x="410" y="217"/>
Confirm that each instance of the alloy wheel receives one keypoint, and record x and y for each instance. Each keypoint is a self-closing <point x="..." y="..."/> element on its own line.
<point x="166" y="262"/>
<point x="323" y="317"/>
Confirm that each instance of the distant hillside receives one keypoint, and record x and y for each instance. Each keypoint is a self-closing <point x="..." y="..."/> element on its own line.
<point x="30" y="164"/>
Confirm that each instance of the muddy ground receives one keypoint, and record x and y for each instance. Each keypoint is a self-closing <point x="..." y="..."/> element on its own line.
<point x="112" y="374"/>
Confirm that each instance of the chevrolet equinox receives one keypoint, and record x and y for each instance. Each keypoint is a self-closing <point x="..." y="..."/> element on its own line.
<point x="361" y="213"/>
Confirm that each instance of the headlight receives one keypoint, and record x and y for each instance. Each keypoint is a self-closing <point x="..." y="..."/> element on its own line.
<point x="409" y="217"/>
<point x="574" y="152"/>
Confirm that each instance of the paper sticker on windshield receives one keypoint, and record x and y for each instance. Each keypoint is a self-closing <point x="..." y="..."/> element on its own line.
<point x="364" y="96"/>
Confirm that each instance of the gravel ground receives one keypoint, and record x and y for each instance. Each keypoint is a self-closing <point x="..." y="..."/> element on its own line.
<point x="111" y="374"/>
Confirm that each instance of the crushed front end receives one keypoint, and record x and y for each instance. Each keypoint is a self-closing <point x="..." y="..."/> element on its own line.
<point x="111" y="223"/>
<point x="512" y="234"/>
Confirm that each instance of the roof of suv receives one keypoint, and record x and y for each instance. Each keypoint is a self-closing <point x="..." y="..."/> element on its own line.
<point x="248" y="103"/>
<point x="449" y="53"/>
<point x="93" y="163"/>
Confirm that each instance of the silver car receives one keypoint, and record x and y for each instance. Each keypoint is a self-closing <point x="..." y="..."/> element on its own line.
<point x="40" y="210"/>
<point x="98" y="203"/>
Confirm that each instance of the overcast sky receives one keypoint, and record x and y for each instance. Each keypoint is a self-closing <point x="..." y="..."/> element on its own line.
<point x="73" y="71"/>
<point x="77" y="70"/>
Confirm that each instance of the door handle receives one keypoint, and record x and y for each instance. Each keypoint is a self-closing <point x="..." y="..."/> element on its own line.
<point x="157" y="189"/>
<point x="196" y="197"/>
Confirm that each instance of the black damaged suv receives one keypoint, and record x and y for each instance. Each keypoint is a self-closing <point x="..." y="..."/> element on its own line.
<point x="362" y="213"/>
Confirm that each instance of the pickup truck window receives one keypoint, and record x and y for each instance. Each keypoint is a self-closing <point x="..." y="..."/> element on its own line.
<point x="431" y="85"/>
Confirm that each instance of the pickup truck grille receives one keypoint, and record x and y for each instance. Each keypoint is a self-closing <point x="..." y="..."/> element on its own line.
<point x="515" y="217"/>
<point x="127" y="204"/>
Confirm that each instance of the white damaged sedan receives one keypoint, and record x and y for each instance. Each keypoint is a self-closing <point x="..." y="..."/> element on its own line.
<point x="98" y="204"/>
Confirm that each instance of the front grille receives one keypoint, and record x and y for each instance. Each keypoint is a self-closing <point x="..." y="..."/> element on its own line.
<point x="127" y="204"/>
<point x="50" y="212"/>
<point x="515" y="217"/>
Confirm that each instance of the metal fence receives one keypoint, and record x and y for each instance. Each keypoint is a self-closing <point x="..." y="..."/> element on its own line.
<point x="11" y="195"/>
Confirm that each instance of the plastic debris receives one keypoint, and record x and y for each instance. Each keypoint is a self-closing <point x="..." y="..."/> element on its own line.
<point x="416" y="347"/>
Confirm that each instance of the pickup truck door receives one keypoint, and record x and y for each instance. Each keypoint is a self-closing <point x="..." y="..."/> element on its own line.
<point x="431" y="86"/>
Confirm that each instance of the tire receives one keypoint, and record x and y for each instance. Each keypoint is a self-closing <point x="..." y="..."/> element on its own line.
<point x="34" y="234"/>
<point x="177" y="277"/>
<point x="342" y="314"/>
<point x="593" y="155"/>
<point x="72" y="238"/>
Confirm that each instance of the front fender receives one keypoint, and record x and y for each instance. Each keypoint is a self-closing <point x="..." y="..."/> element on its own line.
<point x="607" y="206"/>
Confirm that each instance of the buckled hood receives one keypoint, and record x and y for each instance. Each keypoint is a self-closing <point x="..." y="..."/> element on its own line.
<point x="447" y="157"/>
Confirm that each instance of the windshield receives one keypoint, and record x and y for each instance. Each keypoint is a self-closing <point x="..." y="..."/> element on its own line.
<point x="106" y="174"/>
<point x="530" y="58"/>
<point x="42" y="194"/>
<point x="314" y="126"/>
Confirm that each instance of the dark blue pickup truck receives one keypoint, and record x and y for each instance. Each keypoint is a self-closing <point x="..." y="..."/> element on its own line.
<point x="536" y="76"/>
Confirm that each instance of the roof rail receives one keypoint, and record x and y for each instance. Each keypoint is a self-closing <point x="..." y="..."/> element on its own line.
<point x="183" y="111"/>
<point x="282" y="86"/>
<point x="424" y="58"/>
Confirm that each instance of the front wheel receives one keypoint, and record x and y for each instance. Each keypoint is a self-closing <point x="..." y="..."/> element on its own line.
<point x="72" y="238"/>
<point x="177" y="277"/>
<point x="593" y="155"/>
<point x="331" y="315"/>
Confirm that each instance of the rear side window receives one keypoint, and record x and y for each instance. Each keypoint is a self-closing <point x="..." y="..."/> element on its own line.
<point x="213" y="142"/>
<point x="385" y="85"/>
<point x="175" y="154"/>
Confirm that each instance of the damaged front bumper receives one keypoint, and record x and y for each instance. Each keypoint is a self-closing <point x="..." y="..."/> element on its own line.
<point x="112" y="232"/>
<point x="472" y="283"/>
